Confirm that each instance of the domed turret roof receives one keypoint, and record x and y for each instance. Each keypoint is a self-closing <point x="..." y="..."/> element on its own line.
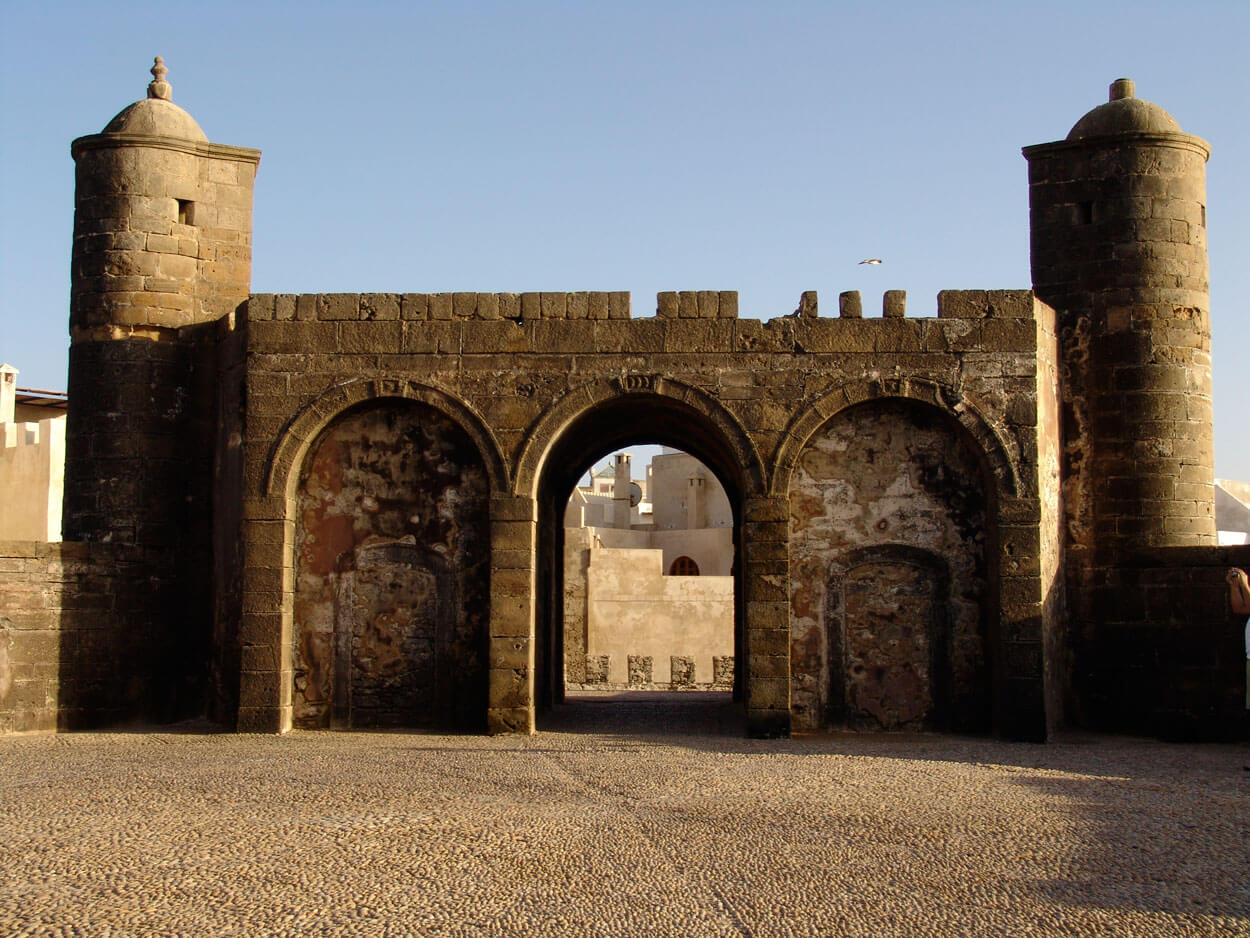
<point x="1124" y="114"/>
<point x="157" y="115"/>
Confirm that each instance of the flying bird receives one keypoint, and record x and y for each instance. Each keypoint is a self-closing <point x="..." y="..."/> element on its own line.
<point x="870" y="260"/>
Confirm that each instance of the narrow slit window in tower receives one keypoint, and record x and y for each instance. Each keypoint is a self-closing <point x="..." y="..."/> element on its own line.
<point x="186" y="212"/>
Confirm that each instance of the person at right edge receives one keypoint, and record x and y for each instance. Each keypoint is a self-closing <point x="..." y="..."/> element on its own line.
<point x="1239" y="600"/>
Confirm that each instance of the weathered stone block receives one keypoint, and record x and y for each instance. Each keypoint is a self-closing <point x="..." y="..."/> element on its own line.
<point x="850" y="305"/>
<point x="597" y="667"/>
<point x="510" y="688"/>
<point x="441" y="306"/>
<point x="667" y="305"/>
<point x="894" y="304"/>
<point x="379" y="306"/>
<point x="554" y="305"/>
<point x="618" y="305"/>
<point x="962" y="304"/>
<point x="639" y="670"/>
<point x="681" y="671"/>
<point x="597" y="305"/>
<point x="511" y="653"/>
<point x="338" y="306"/>
<point x="415" y="307"/>
<point x="578" y="306"/>
<point x="708" y="302"/>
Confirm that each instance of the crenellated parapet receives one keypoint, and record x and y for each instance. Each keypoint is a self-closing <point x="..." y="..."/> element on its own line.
<point x="708" y="305"/>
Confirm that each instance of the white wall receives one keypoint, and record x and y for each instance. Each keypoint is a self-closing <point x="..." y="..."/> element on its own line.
<point x="634" y="609"/>
<point x="32" y="477"/>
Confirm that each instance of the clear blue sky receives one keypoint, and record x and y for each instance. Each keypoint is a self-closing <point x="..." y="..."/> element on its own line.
<point x="762" y="147"/>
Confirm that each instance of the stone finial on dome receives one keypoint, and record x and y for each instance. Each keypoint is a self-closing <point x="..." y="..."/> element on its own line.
<point x="158" y="87"/>
<point x="156" y="115"/>
<point x="1124" y="113"/>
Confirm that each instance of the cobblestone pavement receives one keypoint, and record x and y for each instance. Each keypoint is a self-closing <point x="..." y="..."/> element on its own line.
<point x="646" y="818"/>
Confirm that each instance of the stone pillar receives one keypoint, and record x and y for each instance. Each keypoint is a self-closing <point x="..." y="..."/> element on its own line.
<point x="765" y="583"/>
<point x="265" y="660"/>
<point x="514" y="529"/>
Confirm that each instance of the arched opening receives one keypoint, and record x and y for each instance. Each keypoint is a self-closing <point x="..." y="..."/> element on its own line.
<point x="603" y="430"/>
<point x="392" y="572"/>
<point x="683" y="566"/>
<point x="893" y="572"/>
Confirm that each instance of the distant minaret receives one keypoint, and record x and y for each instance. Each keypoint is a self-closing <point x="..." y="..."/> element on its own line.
<point x="1119" y="248"/>
<point x="622" y="511"/>
<point x="696" y="503"/>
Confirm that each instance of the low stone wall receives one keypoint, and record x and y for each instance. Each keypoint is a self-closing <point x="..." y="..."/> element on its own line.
<point x="683" y="674"/>
<point x="76" y="641"/>
<point x="1159" y="652"/>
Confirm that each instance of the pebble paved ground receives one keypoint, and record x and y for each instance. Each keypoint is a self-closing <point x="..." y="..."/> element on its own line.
<point x="651" y="818"/>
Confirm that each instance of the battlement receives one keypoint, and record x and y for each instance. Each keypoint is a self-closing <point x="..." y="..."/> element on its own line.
<point x="604" y="306"/>
<point x="27" y="433"/>
<point x="32" y="461"/>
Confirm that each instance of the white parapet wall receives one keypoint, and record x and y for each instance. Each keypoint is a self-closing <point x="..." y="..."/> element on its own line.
<point x="32" y="469"/>
<point x="634" y="609"/>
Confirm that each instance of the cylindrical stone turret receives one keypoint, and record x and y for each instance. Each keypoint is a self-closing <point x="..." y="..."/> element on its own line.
<point x="1118" y="226"/>
<point x="162" y="249"/>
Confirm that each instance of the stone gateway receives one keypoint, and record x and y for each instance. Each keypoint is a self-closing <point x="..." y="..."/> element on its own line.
<point x="347" y="510"/>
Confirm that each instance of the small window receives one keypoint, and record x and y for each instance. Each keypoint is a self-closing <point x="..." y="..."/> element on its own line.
<point x="186" y="212"/>
<point x="1084" y="213"/>
<point x="683" y="566"/>
<point x="1203" y="209"/>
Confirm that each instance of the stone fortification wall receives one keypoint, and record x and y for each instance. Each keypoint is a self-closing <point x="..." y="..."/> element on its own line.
<point x="539" y="380"/>
<point x="1160" y="653"/>
<point x="77" y="639"/>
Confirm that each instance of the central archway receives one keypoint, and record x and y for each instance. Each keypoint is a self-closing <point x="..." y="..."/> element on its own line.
<point x="682" y="419"/>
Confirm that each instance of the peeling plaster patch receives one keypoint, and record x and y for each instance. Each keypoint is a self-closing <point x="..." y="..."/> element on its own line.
<point x="887" y="573"/>
<point x="392" y="571"/>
